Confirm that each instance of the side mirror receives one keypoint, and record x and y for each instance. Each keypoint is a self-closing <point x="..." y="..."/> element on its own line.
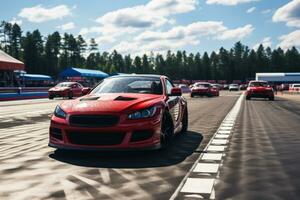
<point x="86" y="90"/>
<point x="176" y="91"/>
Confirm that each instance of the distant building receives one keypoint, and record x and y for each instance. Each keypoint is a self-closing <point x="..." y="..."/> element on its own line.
<point x="279" y="77"/>
<point x="7" y="66"/>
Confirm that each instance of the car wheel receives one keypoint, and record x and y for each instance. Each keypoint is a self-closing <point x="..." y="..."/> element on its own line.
<point x="192" y="95"/>
<point x="51" y="97"/>
<point x="185" y="121"/>
<point x="271" y="98"/>
<point x="70" y="95"/>
<point x="248" y="98"/>
<point x="167" y="130"/>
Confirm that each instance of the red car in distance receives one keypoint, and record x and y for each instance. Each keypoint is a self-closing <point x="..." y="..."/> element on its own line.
<point x="204" y="89"/>
<point x="259" y="89"/>
<point x="67" y="89"/>
<point x="122" y="112"/>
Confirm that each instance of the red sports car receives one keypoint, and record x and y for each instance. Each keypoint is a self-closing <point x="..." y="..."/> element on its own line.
<point x="66" y="89"/>
<point x="204" y="89"/>
<point x="122" y="112"/>
<point x="259" y="89"/>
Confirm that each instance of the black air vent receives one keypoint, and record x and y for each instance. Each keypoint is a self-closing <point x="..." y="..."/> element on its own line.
<point x="90" y="99"/>
<point x="121" y="98"/>
<point x="93" y="120"/>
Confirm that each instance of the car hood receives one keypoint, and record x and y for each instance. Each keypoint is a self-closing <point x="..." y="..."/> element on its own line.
<point x="110" y="103"/>
<point x="59" y="88"/>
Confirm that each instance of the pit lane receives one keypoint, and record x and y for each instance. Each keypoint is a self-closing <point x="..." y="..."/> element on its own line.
<point x="31" y="170"/>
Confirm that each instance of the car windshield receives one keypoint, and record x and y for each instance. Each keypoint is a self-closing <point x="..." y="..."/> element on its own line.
<point x="64" y="85"/>
<point x="202" y="85"/>
<point x="234" y="85"/>
<point x="258" y="84"/>
<point x="183" y="86"/>
<point x="144" y="85"/>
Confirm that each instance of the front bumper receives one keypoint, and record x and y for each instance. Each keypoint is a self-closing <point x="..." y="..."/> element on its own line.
<point x="63" y="93"/>
<point x="260" y="94"/>
<point x="141" y="134"/>
<point x="201" y="92"/>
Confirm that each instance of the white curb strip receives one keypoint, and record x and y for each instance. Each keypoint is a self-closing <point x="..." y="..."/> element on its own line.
<point x="199" y="181"/>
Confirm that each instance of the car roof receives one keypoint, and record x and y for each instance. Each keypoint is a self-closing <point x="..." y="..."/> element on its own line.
<point x="260" y="81"/>
<point x="138" y="75"/>
<point x="67" y="82"/>
<point x="202" y="83"/>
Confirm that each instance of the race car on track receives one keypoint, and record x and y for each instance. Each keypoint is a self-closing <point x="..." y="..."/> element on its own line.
<point x="67" y="89"/>
<point x="122" y="112"/>
<point x="259" y="89"/>
<point x="204" y="89"/>
<point x="233" y="87"/>
<point x="184" y="88"/>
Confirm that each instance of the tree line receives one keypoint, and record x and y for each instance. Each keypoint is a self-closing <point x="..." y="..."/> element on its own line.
<point x="55" y="52"/>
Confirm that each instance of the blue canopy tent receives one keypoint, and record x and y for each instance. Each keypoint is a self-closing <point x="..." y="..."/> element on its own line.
<point x="78" y="72"/>
<point x="35" y="77"/>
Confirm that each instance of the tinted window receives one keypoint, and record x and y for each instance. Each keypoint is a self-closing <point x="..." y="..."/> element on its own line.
<point x="258" y="84"/>
<point x="146" y="85"/>
<point x="169" y="86"/>
<point x="64" y="85"/>
<point x="202" y="85"/>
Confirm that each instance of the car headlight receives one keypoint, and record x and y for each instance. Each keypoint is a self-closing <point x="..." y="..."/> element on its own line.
<point x="146" y="113"/>
<point x="58" y="112"/>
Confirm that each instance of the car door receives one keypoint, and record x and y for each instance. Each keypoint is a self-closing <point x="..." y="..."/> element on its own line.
<point x="173" y="104"/>
<point x="76" y="90"/>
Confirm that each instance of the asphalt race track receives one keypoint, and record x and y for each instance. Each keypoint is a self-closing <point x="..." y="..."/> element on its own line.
<point x="261" y="159"/>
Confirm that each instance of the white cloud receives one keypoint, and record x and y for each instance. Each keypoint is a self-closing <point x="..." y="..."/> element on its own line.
<point x="290" y="40"/>
<point x="229" y="2"/>
<point x="38" y="14"/>
<point x="16" y="21"/>
<point x="67" y="26"/>
<point x="126" y="47"/>
<point x="251" y="10"/>
<point x="180" y="32"/>
<point x="105" y="39"/>
<point x="266" y="42"/>
<point x="181" y="36"/>
<point x="267" y="11"/>
<point x="237" y="33"/>
<point x="289" y="13"/>
<point x="153" y="14"/>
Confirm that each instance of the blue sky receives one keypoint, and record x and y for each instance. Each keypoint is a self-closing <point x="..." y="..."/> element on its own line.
<point x="139" y="26"/>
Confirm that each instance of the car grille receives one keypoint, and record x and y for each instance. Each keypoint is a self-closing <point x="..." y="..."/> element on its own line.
<point x="259" y="92"/>
<point x="93" y="120"/>
<point x="95" y="138"/>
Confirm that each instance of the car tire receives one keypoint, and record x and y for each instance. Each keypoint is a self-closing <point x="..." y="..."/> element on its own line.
<point x="271" y="98"/>
<point x="185" y="121"/>
<point x="167" y="130"/>
<point x="248" y="98"/>
<point x="51" y="97"/>
<point x="70" y="95"/>
<point x="192" y="95"/>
